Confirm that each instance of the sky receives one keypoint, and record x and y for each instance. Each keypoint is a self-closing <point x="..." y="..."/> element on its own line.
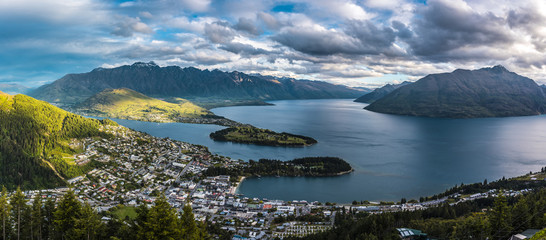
<point x="364" y="43"/>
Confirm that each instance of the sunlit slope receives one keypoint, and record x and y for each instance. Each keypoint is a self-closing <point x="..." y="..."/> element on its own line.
<point x="34" y="136"/>
<point x="125" y="103"/>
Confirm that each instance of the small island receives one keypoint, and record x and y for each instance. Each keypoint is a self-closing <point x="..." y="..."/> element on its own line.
<point x="259" y="136"/>
<point x="306" y="167"/>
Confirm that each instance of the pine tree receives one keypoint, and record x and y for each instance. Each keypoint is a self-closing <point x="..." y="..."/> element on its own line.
<point x="471" y="227"/>
<point x="187" y="224"/>
<point x="19" y="206"/>
<point x="89" y="223"/>
<point x="162" y="221"/>
<point x="141" y="221"/>
<point x="5" y="209"/>
<point x="66" y="215"/>
<point x="521" y="216"/>
<point x="500" y="218"/>
<point x="37" y="217"/>
<point x="26" y="223"/>
<point x="49" y="212"/>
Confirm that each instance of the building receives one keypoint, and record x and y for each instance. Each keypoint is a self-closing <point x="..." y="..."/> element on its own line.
<point x="527" y="234"/>
<point x="411" y="234"/>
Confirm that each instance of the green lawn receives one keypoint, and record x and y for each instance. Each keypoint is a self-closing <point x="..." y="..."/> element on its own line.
<point x="125" y="211"/>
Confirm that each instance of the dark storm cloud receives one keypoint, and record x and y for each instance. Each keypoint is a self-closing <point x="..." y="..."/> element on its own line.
<point x="248" y="25"/>
<point x="357" y="38"/>
<point x="442" y="27"/>
<point x="402" y="31"/>
<point x="219" y="32"/>
<point x="373" y="39"/>
<point x="532" y="21"/>
<point x="315" y="42"/>
<point x="244" y="49"/>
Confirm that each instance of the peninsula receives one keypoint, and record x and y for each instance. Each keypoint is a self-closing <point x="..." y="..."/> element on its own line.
<point x="307" y="167"/>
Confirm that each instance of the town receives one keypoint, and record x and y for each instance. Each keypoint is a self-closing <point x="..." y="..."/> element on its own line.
<point x="134" y="167"/>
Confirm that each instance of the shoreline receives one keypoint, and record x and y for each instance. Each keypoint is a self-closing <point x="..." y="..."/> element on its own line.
<point x="346" y="172"/>
<point x="236" y="188"/>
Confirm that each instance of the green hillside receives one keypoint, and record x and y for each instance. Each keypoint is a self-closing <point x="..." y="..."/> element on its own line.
<point x="34" y="136"/>
<point x="125" y="103"/>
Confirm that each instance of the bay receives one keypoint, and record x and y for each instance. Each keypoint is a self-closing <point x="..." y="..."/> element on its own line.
<point x="394" y="156"/>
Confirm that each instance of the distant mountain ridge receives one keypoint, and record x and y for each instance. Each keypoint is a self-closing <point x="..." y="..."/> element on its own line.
<point x="486" y="92"/>
<point x="380" y="92"/>
<point x="11" y="88"/>
<point x="173" y="81"/>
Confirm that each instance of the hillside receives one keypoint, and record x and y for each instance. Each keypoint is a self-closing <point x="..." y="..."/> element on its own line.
<point x="128" y="104"/>
<point x="486" y="92"/>
<point x="189" y="83"/>
<point x="34" y="137"/>
<point x="380" y="92"/>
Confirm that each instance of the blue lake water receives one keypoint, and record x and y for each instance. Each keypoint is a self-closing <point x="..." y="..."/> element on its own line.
<point x="393" y="156"/>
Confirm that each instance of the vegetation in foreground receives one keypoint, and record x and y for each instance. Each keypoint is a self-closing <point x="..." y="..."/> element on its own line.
<point x="70" y="219"/>
<point x="309" y="167"/>
<point x="34" y="138"/>
<point x="481" y="219"/>
<point x="259" y="136"/>
<point x="486" y="218"/>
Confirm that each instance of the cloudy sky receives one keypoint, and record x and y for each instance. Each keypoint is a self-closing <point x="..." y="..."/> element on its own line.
<point x="354" y="42"/>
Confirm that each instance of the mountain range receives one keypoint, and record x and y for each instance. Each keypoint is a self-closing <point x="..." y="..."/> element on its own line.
<point x="380" y="92"/>
<point x="190" y="83"/>
<point x="486" y="92"/>
<point x="10" y="88"/>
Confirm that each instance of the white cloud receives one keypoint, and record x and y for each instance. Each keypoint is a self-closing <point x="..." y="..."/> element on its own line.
<point x="145" y="14"/>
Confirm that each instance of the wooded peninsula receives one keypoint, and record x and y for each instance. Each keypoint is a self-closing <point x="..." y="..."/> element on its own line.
<point x="308" y="167"/>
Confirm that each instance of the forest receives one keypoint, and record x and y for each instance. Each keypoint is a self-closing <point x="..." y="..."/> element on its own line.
<point x="259" y="136"/>
<point x="309" y="166"/>
<point x="70" y="219"/>
<point x="33" y="137"/>
<point x="489" y="218"/>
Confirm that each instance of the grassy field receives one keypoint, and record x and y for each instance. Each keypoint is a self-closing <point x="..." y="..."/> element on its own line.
<point x="534" y="176"/>
<point x="125" y="211"/>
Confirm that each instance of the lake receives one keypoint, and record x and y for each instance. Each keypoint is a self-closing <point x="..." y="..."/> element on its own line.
<point x="394" y="156"/>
